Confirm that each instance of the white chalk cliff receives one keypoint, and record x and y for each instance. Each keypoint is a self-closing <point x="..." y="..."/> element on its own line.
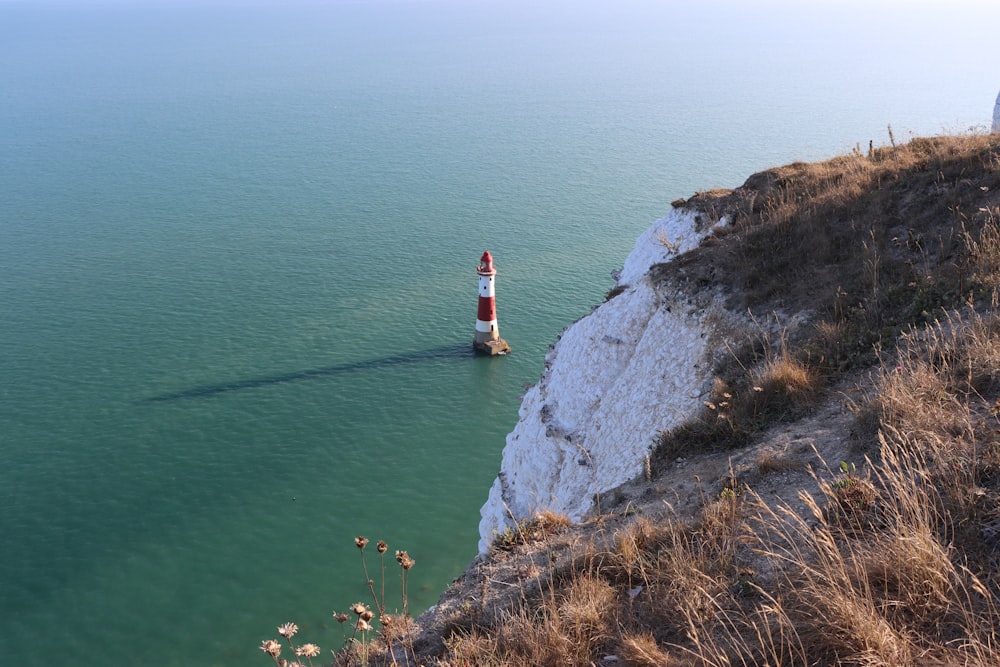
<point x="635" y="366"/>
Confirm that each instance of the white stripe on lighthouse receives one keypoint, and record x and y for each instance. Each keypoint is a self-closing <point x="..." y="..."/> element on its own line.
<point x="486" y="286"/>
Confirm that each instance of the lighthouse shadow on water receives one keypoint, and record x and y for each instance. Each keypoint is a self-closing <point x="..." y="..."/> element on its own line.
<point x="487" y="341"/>
<point x="419" y="356"/>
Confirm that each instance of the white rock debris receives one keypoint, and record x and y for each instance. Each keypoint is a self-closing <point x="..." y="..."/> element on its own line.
<point x="615" y="380"/>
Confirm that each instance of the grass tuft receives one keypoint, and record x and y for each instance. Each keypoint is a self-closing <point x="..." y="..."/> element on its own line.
<point x="529" y="530"/>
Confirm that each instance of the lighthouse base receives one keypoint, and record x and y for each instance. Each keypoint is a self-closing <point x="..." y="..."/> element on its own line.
<point x="492" y="348"/>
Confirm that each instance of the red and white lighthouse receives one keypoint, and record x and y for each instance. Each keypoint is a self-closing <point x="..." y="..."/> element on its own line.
<point x="488" y="338"/>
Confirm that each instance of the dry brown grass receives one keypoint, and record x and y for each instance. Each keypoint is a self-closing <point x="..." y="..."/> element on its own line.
<point x="752" y="583"/>
<point x="897" y="592"/>
<point x="538" y="527"/>
<point x="770" y="383"/>
<point x="566" y="625"/>
<point x="768" y="462"/>
<point x="642" y="650"/>
<point x="870" y="245"/>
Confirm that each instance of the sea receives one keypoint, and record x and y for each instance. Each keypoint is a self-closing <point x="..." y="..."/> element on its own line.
<point x="238" y="244"/>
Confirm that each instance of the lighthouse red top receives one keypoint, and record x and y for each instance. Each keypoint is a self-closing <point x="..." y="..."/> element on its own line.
<point x="486" y="265"/>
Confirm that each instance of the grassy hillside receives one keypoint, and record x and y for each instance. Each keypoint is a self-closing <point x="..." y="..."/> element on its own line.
<point x="838" y="500"/>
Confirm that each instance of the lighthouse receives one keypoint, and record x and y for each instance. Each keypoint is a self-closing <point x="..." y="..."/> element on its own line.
<point x="488" y="340"/>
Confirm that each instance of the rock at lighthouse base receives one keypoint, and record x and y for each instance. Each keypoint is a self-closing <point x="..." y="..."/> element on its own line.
<point x="492" y="347"/>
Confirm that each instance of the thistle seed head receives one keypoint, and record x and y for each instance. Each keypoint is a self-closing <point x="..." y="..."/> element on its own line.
<point x="307" y="650"/>
<point x="404" y="560"/>
<point x="271" y="647"/>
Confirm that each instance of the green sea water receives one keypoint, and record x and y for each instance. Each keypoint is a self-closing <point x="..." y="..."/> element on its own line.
<point x="238" y="290"/>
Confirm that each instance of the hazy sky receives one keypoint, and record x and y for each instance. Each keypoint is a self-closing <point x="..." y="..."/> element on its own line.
<point x="895" y="42"/>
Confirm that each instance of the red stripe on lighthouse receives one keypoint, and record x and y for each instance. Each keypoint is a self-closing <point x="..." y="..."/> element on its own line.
<point x="487" y="309"/>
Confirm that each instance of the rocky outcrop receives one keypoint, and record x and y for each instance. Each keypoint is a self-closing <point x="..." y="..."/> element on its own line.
<point x="617" y="378"/>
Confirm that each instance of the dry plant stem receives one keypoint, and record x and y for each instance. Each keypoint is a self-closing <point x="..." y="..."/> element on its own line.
<point x="371" y="584"/>
<point x="392" y="654"/>
<point x="381" y="607"/>
<point x="362" y="650"/>
<point x="387" y="636"/>
<point x="402" y="571"/>
<point x="343" y="636"/>
<point x="409" y="645"/>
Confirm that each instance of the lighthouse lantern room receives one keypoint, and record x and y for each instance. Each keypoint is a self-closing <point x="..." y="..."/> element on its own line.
<point x="488" y="340"/>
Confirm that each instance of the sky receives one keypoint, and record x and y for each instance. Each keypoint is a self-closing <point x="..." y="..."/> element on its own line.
<point x="939" y="37"/>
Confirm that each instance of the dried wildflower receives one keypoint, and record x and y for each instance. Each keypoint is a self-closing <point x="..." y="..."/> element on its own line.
<point x="307" y="650"/>
<point x="363" y="625"/>
<point x="381" y="546"/>
<point x="387" y="620"/>
<point x="271" y="647"/>
<point x="367" y="615"/>
<point x="341" y="617"/>
<point x="358" y="608"/>
<point x="361" y="541"/>
<point x="288" y="630"/>
<point x="404" y="560"/>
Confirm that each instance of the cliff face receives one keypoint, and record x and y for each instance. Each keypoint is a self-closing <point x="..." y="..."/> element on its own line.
<point x="635" y="366"/>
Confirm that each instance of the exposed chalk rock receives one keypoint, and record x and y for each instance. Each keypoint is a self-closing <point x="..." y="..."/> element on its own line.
<point x="616" y="379"/>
